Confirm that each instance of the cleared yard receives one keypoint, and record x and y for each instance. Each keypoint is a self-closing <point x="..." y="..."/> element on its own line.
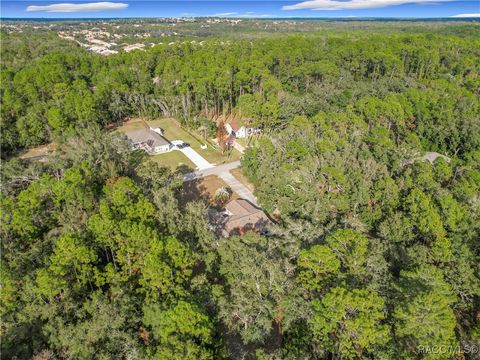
<point x="131" y="125"/>
<point x="39" y="153"/>
<point x="203" y="189"/>
<point x="246" y="142"/>
<point x="175" y="160"/>
<point x="173" y="131"/>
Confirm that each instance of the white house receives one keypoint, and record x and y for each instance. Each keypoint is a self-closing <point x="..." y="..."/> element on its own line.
<point x="240" y="131"/>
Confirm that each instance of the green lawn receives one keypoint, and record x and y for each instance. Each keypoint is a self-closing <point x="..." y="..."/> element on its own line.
<point x="175" y="160"/>
<point x="173" y="131"/>
<point x="131" y="125"/>
<point x="245" y="142"/>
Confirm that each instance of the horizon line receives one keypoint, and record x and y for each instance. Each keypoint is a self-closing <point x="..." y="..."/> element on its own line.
<point x="350" y="18"/>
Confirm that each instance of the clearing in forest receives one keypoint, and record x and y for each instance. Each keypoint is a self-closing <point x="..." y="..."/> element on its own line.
<point x="204" y="189"/>
<point x="172" y="130"/>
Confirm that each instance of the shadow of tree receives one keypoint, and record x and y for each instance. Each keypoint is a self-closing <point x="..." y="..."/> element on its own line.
<point x="260" y="227"/>
<point x="136" y="158"/>
<point x="184" y="169"/>
<point x="193" y="190"/>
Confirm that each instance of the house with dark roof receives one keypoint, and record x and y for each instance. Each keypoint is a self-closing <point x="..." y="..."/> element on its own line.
<point x="238" y="217"/>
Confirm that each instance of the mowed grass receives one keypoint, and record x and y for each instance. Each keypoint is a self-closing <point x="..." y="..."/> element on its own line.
<point x="249" y="141"/>
<point x="174" y="160"/>
<point x="173" y="131"/>
<point x="131" y="125"/>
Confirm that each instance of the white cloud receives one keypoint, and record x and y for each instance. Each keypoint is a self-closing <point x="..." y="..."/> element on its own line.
<point x="224" y="14"/>
<point x="254" y="15"/>
<point x="353" y="4"/>
<point x="474" y="15"/>
<point x="86" y="7"/>
<point x="249" y="14"/>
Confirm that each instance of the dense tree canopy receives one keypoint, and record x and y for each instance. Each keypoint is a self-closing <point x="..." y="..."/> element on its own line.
<point x="375" y="249"/>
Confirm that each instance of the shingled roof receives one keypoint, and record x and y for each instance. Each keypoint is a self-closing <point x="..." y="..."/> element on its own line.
<point x="146" y="135"/>
<point x="240" y="216"/>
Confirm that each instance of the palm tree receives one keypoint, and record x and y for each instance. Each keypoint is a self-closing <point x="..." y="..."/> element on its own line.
<point x="202" y="129"/>
<point x="222" y="195"/>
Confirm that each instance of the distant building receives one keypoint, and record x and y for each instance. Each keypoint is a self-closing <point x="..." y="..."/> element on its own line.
<point x="132" y="47"/>
<point x="240" y="131"/>
<point x="149" y="140"/>
<point x="239" y="217"/>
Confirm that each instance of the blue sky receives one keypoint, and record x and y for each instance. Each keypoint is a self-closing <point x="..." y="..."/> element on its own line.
<point x="230" y="8"/>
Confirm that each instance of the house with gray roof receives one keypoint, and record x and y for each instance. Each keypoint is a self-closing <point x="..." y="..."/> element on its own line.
<point x="149" y="140"/>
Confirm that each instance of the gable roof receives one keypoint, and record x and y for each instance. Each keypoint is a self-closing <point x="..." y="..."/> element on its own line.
<point x="241" y="207"/>
<point x="146" y="135"/>
<point x="237" y="123"/>
<point x="234" y="123"/>
<point x="239" y="217"/>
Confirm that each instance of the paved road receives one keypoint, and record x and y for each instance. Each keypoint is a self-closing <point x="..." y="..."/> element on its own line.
<point x="196" y="158"/>
<point x="215" y="170"/>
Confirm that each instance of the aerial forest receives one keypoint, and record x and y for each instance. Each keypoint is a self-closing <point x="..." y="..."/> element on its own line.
<point x="368" y="164"/>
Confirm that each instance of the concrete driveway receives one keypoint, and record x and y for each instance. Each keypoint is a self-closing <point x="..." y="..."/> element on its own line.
<point x="223" y="172"/>
<point x="242" y="191"/>
<point x="195" y="157"/>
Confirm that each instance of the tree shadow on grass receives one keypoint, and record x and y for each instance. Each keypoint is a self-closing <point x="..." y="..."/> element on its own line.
<point x="184" y="169"/>
<point x="193" y="190"/>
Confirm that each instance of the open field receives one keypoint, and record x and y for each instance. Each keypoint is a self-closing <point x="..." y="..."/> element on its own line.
<point x="173" y="131"/>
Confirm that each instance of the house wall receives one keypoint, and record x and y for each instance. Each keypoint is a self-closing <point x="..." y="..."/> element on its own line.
<point x="229" y="129"/>
<point x="163" y="148"/>
<point x="241" y="133"/>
